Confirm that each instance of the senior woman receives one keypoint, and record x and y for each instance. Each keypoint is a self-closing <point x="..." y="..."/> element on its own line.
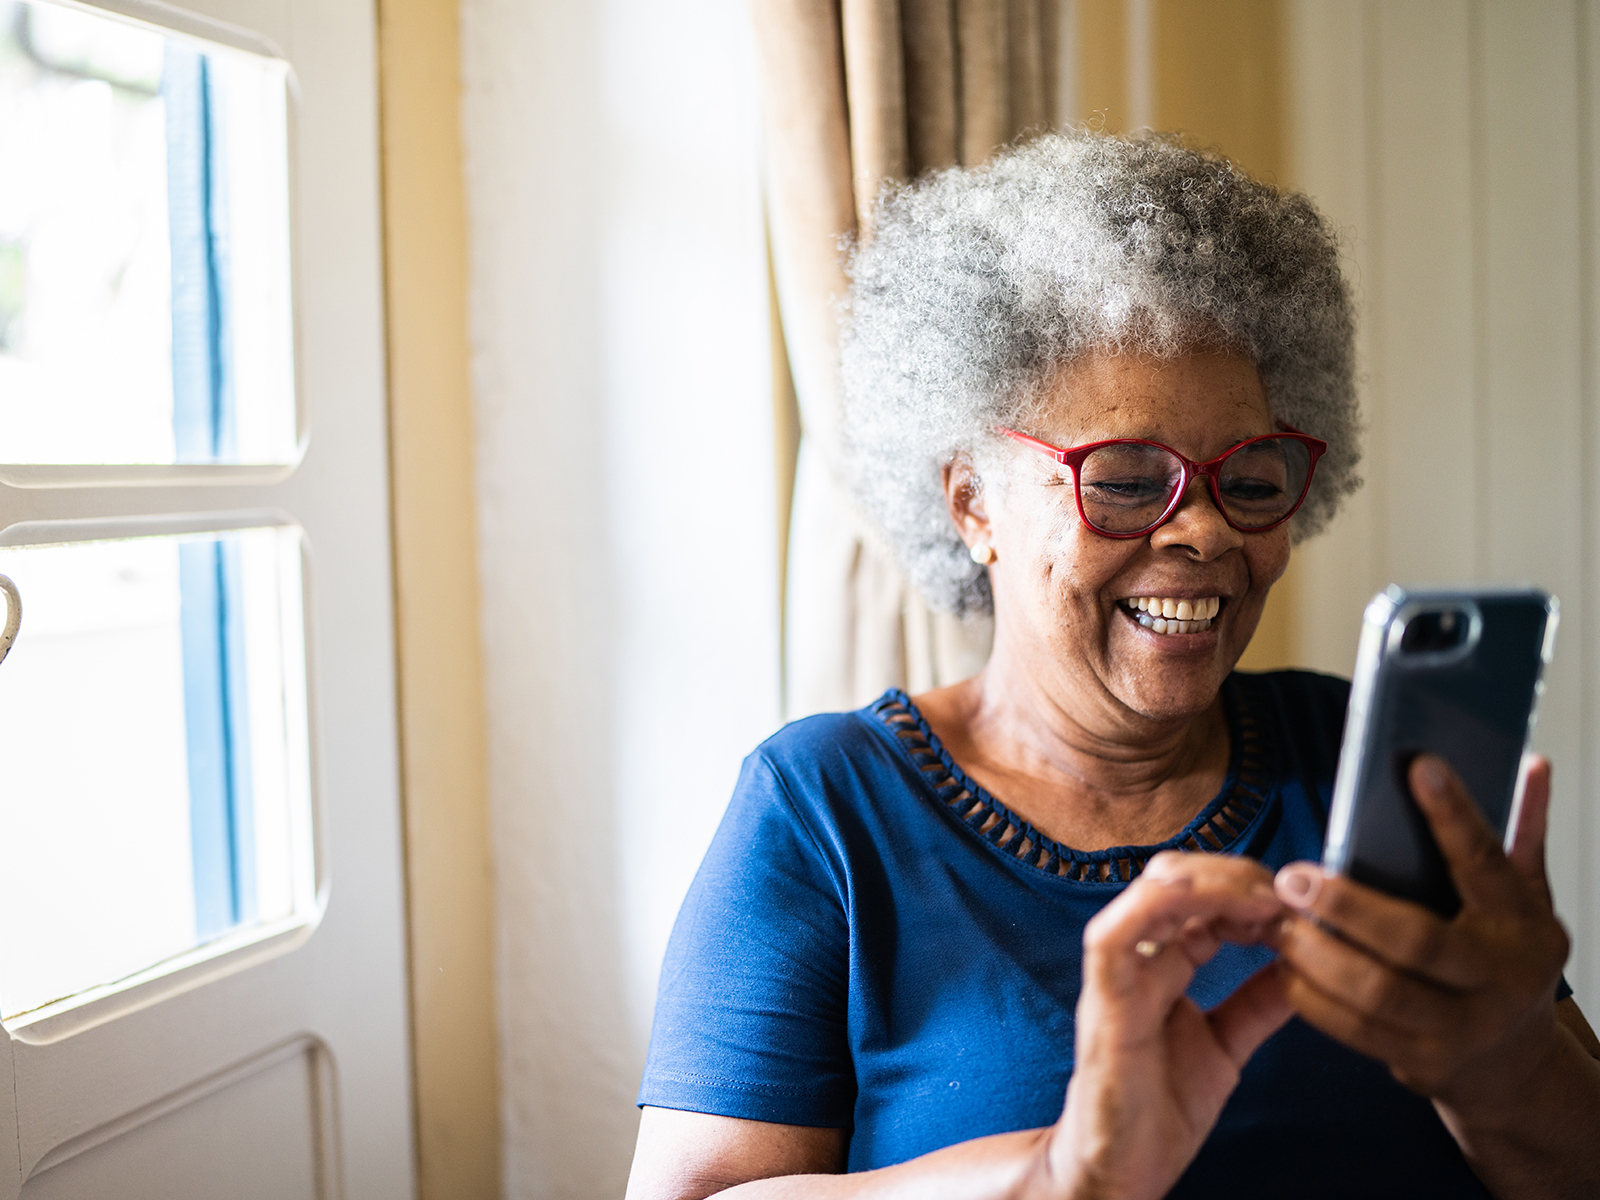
<point x="1099" y="385"/>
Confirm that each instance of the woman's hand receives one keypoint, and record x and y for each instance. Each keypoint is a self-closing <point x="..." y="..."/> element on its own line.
<point x="1152" y="1070"/>
<point x="1461" y="1010"/>
<point x="1454" y="1007"/>
<point x="1151" y="1075"/>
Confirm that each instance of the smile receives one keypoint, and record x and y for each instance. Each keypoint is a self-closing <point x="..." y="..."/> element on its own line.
<point x="1161" y="614"/>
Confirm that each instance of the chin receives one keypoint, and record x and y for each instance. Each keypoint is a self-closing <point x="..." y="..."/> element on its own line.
<point x="1177" y="704"/>
<point x="1173" y="676"/>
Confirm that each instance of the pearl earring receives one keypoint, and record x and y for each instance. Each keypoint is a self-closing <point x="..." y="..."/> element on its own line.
<point x="982" y="554"/>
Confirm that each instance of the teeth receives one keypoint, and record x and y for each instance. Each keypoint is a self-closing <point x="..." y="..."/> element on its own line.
<point x="1162" y="625"/>
<point x="1182" y="610"/>
<point x="1163" y="615"/>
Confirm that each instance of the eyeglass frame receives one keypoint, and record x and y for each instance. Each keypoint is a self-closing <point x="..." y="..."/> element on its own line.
<point x="1072" y="458"/>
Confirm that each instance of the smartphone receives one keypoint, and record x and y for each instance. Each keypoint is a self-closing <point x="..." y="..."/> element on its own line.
<point x="1453" y="672"/>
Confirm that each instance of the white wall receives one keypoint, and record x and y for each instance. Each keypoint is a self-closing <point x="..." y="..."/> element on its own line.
<point x="1455" y="142"/>
<point x="628" y="531"/>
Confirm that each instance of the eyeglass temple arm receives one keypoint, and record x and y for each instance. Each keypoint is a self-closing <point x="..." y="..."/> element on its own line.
<point x="1044" y="447"/>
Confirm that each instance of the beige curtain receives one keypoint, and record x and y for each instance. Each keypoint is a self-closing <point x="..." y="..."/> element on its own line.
<point x="857" y="93"/>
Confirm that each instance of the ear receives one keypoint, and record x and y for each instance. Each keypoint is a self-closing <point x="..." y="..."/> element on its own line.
<point x="963" y="496"/>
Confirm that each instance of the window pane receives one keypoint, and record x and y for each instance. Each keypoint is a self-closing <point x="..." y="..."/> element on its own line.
<point x="144" y="246"/>
<point x="153" y="735"/>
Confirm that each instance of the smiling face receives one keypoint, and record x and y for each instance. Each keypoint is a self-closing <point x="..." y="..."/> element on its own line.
<point x="1089" y="615"/>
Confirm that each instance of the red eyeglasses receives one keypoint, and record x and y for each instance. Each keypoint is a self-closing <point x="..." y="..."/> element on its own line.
<point x="1127" y="487"/>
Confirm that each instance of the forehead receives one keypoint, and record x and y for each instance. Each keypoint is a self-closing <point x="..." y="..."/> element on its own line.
<point x="1210" y="397"/>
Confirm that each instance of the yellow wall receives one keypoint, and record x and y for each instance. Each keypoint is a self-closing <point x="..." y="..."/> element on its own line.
<point x="1100" y="46"/>
<point x="449" y="892"/>
<point x="1218" y="77"/>
<point x="1216" y="74"/>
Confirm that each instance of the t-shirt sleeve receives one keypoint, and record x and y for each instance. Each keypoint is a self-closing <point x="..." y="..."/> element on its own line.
<point x="750" y="1016"/>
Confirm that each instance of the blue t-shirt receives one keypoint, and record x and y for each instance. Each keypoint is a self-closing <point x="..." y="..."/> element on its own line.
<point x="874" y="943"/>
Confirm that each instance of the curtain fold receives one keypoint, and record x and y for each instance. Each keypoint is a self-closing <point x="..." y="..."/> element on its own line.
<point x="810" y="198"/>
<point x="932" y="119"/>
<point x="874" y="78"/>
<point x="858" y="94"/>
<point x="984" y="52"/>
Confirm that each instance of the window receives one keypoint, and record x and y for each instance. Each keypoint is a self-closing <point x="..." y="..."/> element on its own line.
<point x="153" y="712"/>
<point x="155" y="757"/>
<point x="144" y="248"/>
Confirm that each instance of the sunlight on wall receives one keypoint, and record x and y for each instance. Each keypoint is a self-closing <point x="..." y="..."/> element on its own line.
<point x="623" y="375"/>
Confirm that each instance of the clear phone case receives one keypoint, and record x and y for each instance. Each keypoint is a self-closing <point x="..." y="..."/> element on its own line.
<point x="1455" y="672"/>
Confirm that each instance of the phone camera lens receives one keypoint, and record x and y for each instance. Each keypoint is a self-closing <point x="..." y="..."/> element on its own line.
<point x="1431" y="632"/>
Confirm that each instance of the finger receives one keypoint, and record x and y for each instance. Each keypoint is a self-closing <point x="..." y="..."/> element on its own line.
<point x="1199" y="940"/>
<point x="1201" y="937"/>
<point x="1252" y="1014"/>
<point x="1478" y="865"/>
<point x="1224" y="893"/>
<point x="1364" y="983"/>
<point x="1176" y="891"/>
<point x="1417" y="1061"/>
<point x="1232" y="896"/>
<point x="1532" y="823"/>
<point x="1397" y="932"/>
<point x="1571" y="1018"/>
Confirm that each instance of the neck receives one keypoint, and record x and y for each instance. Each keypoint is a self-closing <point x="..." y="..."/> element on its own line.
<point x="1072" y="759"/>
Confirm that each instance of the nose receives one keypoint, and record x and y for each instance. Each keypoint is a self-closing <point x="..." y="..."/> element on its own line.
<point x="1198" y="526"/>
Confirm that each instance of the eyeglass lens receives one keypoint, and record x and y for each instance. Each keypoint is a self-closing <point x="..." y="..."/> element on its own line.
<point x="1124" y="488"/>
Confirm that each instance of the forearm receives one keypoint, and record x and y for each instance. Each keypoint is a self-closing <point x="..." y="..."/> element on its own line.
<point x="1543" y="1144"/>
<point x="1000" y="1167"/>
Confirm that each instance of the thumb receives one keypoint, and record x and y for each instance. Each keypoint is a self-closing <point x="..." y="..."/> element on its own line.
<point x="1533" y="821"/>
<point x="1252" y="1014"/>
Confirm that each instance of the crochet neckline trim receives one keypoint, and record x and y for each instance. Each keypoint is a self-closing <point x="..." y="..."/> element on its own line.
<point x="1219" y="826"/>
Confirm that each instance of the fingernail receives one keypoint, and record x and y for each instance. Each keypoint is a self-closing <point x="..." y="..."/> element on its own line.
<point x="1433" y="774"/>
<point x="1297" y="884"/>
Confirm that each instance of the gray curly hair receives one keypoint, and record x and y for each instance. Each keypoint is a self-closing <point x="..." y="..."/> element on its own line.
<point x="978" y="284"/>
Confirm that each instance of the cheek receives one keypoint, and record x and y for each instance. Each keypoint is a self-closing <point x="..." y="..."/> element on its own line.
<point x="1268" y="556"/>
<point x="1036" y="538"/>
<point x="1035" y="559"/>
<point x="1053" y="561"/>
<point x="1082" y="565"/>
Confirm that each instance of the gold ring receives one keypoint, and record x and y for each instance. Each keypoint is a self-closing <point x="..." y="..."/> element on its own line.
<point x="1148" y="949"/>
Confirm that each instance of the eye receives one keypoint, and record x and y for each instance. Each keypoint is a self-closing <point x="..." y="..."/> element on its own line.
<point x="1255" y="474"/>
<point x="1136" y="488"/>
<point x="1247" y="490"/>
<point x="1128" y="475"/>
